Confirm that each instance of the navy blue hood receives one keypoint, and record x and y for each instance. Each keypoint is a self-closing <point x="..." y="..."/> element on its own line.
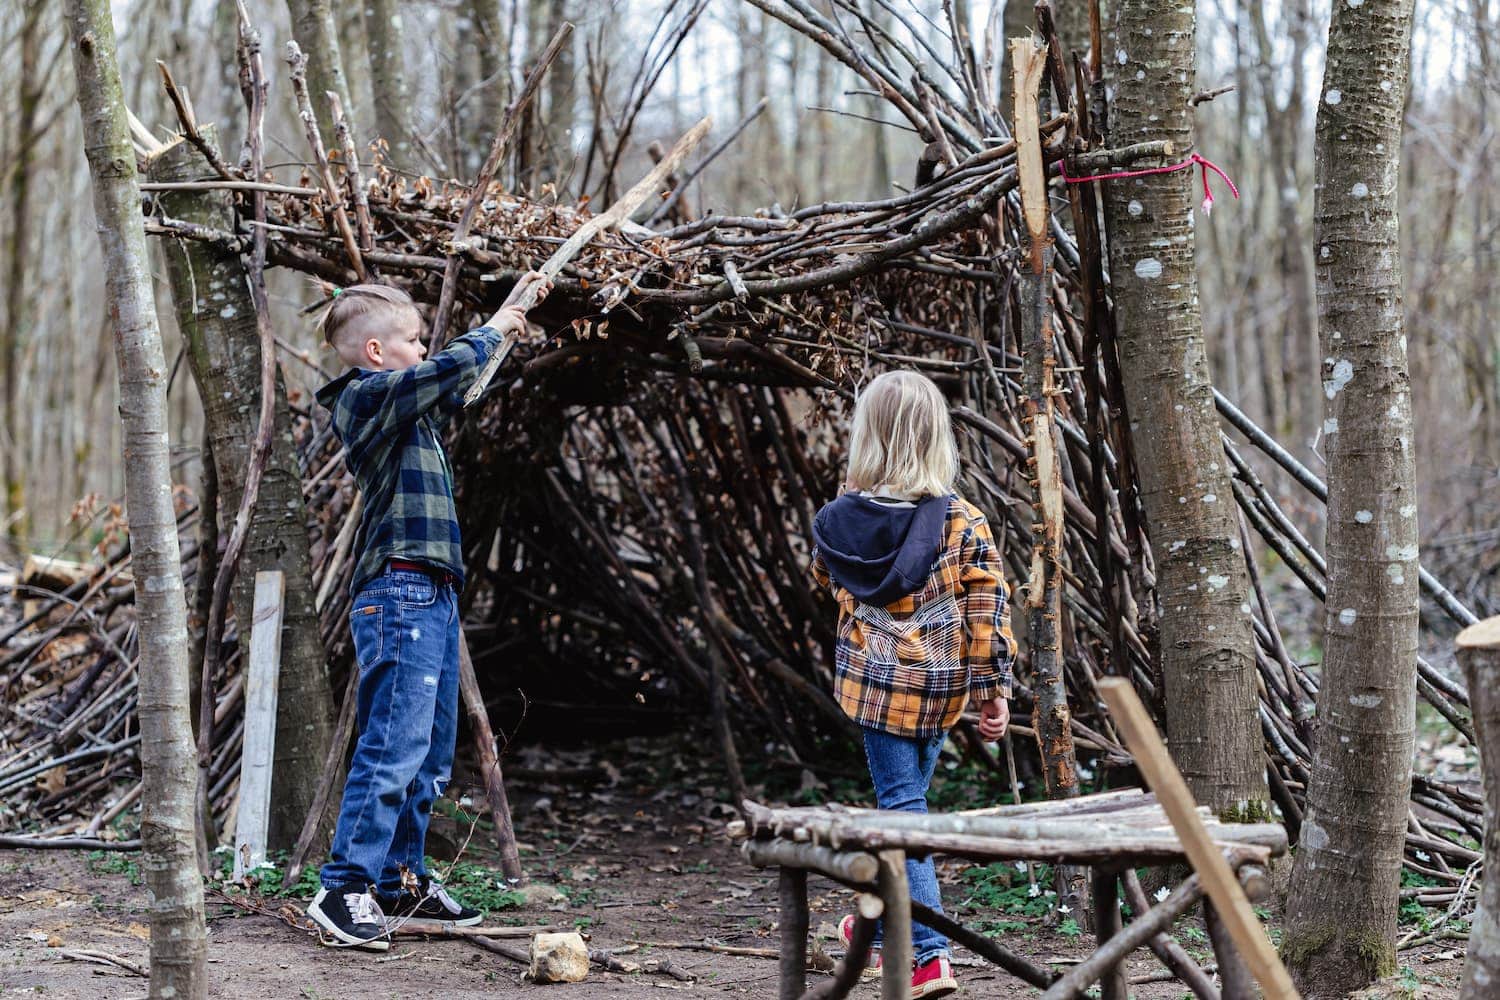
<point x="880" y="552"/>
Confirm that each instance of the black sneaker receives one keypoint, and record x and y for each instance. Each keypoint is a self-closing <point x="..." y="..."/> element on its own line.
<point x="350" y="915"/>
<point x="429" y="901"/>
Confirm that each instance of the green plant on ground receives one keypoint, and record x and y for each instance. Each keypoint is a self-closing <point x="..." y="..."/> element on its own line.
<point x="1001" y="926"/>
<point x="1001" y="887"/>
<point x="479" y="886"/>
<point x="112" y="863"/>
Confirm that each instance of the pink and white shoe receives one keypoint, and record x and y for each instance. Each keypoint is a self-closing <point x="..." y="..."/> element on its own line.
<point x="846" y="938"/>
<point x="933" y="979"/>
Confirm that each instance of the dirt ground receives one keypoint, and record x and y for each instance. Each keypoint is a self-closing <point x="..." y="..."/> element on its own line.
<point x="645" y="867"/>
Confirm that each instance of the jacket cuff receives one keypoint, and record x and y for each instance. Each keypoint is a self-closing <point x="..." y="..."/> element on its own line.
<point x="993" y="686"/>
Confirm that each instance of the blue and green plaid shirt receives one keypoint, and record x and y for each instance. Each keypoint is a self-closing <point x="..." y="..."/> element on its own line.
<point x="391" y="426"/>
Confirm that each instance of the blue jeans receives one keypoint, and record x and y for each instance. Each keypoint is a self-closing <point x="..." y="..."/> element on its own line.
<point x="902" y="769"/>
<point x="405" y="629"/>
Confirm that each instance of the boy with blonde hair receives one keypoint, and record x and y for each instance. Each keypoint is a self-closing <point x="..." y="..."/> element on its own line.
<point x="388" y="410"/>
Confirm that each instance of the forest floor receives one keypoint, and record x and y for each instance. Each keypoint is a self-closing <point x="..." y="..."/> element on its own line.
<point x="630" y="838"/>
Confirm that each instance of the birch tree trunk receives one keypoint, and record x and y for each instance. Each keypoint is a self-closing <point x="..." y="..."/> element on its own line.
<point x="557" y="161"/>
<point x="217" y="317"/>
<point x="1479" y="653"/>
<point x="315" y="31"/>
<point x="1207" y="641"/>
<point x="384" y="35"/>
<point x="1341" y="916"/>
<point x="17" y="289"/>
<point x="492" y="46"/>
<point x="179" y="944"/>
<point x="1072" y="20"/>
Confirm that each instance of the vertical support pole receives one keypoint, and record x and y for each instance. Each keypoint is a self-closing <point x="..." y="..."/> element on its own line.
<point x="895" y="893"/>
<point x="1106" y="886"/>
<point x="489" y="762"/>
<point x="1478" y="648"/>
<point x="253" y="815"/>
<point x="1235" y="982"/>
<point x="793" y="890"/>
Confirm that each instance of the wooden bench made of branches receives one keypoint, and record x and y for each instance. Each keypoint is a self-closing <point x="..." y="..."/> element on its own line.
<point x="1111" y="834"/>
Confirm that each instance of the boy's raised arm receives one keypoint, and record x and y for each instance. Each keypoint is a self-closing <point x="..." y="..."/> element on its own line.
<point x="392" y="400"/>
<point x="387" y="402"/>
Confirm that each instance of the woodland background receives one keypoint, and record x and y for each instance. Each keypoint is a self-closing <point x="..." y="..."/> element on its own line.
<point x="60" y="434"/>
<point x="591" y="587"/>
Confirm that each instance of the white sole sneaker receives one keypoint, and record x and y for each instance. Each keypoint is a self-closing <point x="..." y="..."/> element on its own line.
<point x="341" y="938"/>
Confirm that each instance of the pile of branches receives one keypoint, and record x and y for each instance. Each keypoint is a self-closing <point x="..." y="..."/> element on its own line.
<point x="637" y="488"/>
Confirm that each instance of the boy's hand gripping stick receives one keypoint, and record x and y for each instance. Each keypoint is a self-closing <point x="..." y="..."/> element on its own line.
<point x="615" y="214"/>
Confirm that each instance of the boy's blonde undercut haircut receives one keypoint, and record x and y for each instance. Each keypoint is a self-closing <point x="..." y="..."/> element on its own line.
<point x="353" y="304"/>
<point x="902" y="437"/>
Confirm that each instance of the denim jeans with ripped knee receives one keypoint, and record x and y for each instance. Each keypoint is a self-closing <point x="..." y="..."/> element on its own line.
<point x="405" y="628"/>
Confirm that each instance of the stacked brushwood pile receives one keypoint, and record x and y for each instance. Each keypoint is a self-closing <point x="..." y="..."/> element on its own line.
<point x="637" y="487"/>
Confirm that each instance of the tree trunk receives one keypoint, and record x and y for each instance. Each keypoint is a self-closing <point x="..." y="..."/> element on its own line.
<point x="179" y="943"/>
<point x="1300" y="386"/>
<point x="1051" y="719"/>
<point x="17" y="298"/>
<point x="315" y="31"/>
<point x="492" y="46"/>
<point x="1479" y="654"/>
<point x="1043" y="605"/>
<point x="557" y="158"/>
<point x="1207" y="642"/>
<point x="384" y="36"/>
<point x="217" y="317"/>
<point x="1341" y="917"/>
<point x="1072" y="20"/>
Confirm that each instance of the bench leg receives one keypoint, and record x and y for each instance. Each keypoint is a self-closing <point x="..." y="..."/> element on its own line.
<point x="793" y="892"/>
<point x="1106" y="925"/>
<point x="895" y="893"/>
<point x="1235" y="981"/>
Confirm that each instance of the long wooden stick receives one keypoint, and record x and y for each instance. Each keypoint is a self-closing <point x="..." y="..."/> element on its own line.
<point x="1218" y="881"/>
<point x="482" y="183"/>
<point x="298" y="62"/>
<point x="616" y="213"/>
<point x="489" y="762"/>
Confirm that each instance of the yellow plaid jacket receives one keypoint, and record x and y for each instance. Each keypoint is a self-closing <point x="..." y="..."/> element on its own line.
<point x="910" y="668"/>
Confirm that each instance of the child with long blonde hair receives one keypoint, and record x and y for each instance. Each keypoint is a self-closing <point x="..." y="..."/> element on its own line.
<point x="923" y="624"/>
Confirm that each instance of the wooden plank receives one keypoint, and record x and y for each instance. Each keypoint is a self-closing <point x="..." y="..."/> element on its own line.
<point x="253" y="815"/>
<point x="618" y="212"/>
<point x="1218" y="881"/>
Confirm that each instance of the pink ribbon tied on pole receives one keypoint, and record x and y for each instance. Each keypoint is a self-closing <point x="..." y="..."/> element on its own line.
<point x="1203" y="163"/>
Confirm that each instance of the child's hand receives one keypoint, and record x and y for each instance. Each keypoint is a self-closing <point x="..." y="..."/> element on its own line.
<point x="544" y="285"/>
<point x="511" y="319"/>
<point x="994" y="716"/>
